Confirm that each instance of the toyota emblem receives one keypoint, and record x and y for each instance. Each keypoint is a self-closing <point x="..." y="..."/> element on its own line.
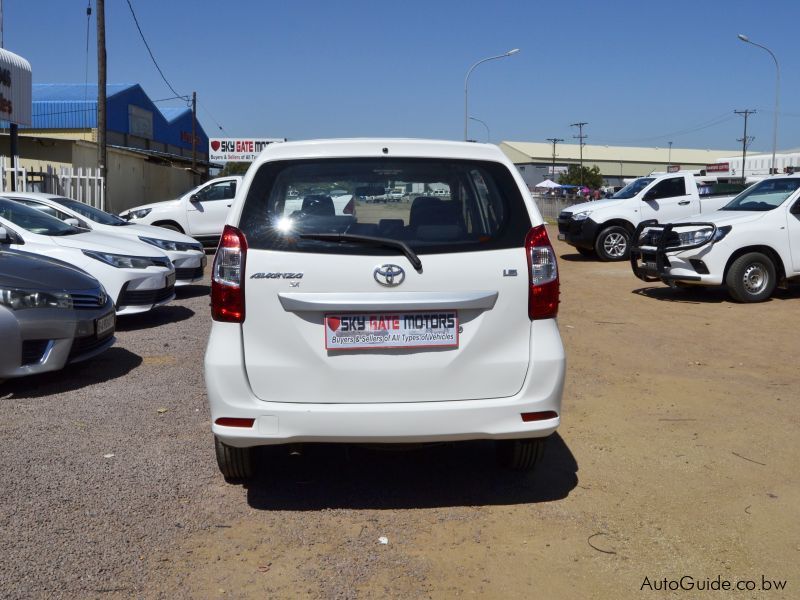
<point x="389" y="275"/>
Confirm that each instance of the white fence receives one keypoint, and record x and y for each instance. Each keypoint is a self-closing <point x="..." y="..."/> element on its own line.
<point x="82" y="184"/>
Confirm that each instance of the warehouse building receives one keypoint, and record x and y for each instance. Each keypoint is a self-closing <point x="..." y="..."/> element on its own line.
<point x="535" y="160"/>
<point x="150" y="149"/>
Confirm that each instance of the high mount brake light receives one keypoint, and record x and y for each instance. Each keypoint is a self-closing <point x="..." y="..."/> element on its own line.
<point x="543" y="285"/>
<point x="227" y="277"/>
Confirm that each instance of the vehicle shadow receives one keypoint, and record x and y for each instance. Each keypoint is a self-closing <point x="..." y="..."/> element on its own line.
<point x="353" y="476"/>
<point x="578" y="258"/>
<point x="153" y="318"/>
<point x="192" y="291"/>
<point x="113" y="363"/>
<point x="706" y="294"/>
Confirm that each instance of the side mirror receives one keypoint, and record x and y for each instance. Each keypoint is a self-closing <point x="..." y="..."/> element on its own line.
<point x="4" y="237"/>
<point x="72" y="221"/>
<point x="194" y="198"/>
<point x="650" y="195"/>
<point x="795" y="210"/>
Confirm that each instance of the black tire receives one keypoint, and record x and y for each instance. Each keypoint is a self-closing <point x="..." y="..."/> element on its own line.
<point x="587" y="252"/>
<point x="613" y="244"/>
<point x="235" y="464"/>
<point x="171" y="227"/>
<point x="520" y="455"/>
<point x="751" y="278"/>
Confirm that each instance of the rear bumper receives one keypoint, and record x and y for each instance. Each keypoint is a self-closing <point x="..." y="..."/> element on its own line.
<point x="230" y="395"/>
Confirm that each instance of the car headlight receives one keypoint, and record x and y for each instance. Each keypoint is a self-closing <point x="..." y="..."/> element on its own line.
<point x="696" y="237"/>
<point x="581" y="216"/>
<point x="122" y="261"/>
<point x="16" y="299"/>
<point x="170" y="245"/>
<point x="138" y="214"/>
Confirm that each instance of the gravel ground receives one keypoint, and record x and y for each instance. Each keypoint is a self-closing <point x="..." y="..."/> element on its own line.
<point x="681" y="419"/>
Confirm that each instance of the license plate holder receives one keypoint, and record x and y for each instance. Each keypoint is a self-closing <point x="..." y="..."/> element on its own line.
<point x="104" y="324"/>
<point x="390" y="330"/>
<point x="170" y="280"/>
<point x="562" y="237"/>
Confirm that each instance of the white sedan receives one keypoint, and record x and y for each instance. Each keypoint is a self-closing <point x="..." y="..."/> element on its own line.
<point x="186" y="253"/>
<point x="136" y="275"/>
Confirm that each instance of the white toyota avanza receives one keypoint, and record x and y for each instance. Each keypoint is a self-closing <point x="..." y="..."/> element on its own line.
<point x="430" y="319"/>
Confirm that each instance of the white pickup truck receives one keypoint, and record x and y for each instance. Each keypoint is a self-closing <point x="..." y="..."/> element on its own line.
<point x="751" y="245"/>
<point x="605" y="227"/>
<point x="200" y="212"/>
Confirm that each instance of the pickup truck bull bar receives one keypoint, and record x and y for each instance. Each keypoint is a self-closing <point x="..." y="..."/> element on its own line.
<point x="658" y="268"/>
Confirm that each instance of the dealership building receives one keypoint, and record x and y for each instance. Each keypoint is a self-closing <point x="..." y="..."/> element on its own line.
<point x="150" y="150"/>
<point x="535" y="160"/>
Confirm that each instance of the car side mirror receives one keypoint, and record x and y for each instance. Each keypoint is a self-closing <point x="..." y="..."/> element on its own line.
<point x="72" y="221"/>
<point x="4" y="237"/>
<point x="651" y="195"/>
<point x="194" y="198"/>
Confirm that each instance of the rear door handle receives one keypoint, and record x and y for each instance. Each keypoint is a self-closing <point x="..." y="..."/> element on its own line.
<point x="683" y="202"/>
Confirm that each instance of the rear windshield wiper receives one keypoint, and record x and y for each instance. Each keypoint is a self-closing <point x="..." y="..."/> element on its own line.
<point x="367" y="239"/>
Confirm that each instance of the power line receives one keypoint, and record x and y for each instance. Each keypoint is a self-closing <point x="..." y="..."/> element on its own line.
<point x="221" y="128"/>
<point x="724" y="118"/>
<point x="150" y="52"/>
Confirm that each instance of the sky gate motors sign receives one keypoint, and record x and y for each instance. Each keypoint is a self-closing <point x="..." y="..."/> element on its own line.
<point x="238" y="149"/>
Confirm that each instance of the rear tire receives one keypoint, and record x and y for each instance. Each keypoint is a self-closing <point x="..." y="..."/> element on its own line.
<point x="235" y="464"/>
<point x="613" y="244"/>
<point x="520" y="455"/>
<point x="751" y="278"/>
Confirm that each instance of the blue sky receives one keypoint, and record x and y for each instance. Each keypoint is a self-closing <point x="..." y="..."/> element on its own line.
<point x="640" y="73"/>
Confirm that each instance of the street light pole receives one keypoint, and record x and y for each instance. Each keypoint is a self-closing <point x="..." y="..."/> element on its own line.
<point x="488" y="134"/>
<point x="466" y="83"/>
<point x="747" y="40"/>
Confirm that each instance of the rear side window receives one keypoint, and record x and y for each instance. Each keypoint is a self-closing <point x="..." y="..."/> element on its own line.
<point x="434" y="206"/>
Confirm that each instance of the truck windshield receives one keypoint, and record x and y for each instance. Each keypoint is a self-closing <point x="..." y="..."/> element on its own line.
<point x="765" y="195"/>
<point x="633" y="188"/>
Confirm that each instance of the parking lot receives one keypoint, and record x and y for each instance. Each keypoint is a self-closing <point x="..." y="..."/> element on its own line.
<point x="676" y="458"/>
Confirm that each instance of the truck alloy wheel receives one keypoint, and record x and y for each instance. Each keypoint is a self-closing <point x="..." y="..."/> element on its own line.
<point x="613" y="243"/>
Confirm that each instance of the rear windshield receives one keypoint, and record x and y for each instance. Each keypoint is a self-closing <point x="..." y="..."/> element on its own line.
<point x="433" y="206"/>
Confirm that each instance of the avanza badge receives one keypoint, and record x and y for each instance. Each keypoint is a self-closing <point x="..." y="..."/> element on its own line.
<point x="361" y="331"/>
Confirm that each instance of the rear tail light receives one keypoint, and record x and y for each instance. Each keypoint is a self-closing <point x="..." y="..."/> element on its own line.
<point x="227" y="277"/>
<point x="543" y="275"/>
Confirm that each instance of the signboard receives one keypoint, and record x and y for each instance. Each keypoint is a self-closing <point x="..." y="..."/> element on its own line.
<point x="718" y="168"/>
<point x="15" y="88"/>
<point x="238" y="149"/>
<point x="557" y="170"/>
<point x="673" y="168"/>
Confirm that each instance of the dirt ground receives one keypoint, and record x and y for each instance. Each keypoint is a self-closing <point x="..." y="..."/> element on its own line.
<point x="677" y="458"/>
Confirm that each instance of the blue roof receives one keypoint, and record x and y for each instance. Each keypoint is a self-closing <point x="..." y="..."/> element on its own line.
<point x="74" y="106"/>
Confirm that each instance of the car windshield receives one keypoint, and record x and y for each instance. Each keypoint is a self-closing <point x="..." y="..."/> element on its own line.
<point x="633" y="188"/>
<point x="765" y="195"/>
<point x="34" y="220"/>
<point x="430" y="205"/>
<point x="91" y="213"/>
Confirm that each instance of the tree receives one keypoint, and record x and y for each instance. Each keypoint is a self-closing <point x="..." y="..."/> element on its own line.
<point x="591" y="177"/>
<point x="234" y="168"/>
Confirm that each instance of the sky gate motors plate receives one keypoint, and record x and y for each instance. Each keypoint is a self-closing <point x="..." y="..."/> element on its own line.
<point x="409" y="329"/>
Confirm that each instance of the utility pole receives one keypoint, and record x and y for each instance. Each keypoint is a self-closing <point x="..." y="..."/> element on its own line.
<point x="554" y="141"/>
<point x="669" y="157"/>
<point x="194" y="139"/>
<point x="580" y="137"/>
<point x="746" y="113"/>
<point x="101" y="93"/>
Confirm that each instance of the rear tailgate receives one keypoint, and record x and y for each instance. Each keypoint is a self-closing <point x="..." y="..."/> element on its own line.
<point x="285" y="331"/>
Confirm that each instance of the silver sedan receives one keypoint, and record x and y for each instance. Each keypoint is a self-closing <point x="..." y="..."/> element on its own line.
<point x="51" y="314"/>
